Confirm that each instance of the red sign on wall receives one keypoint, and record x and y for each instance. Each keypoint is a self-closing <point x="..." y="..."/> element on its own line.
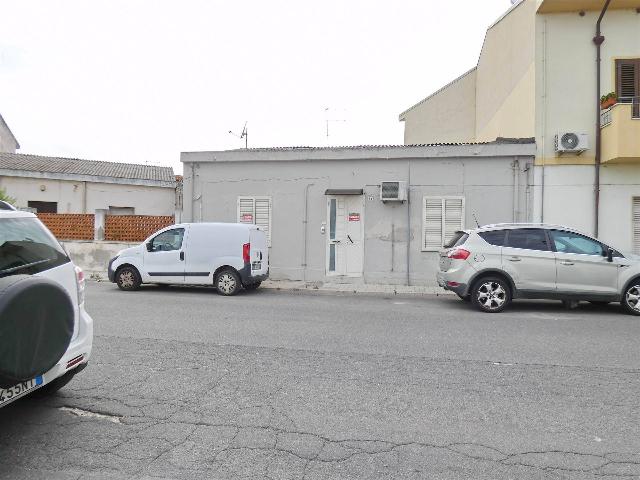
<point x="246" y="218"/>
<point x="354" y="217"/>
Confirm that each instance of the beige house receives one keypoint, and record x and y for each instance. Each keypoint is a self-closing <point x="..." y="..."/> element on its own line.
<point x="8" y="142"/>
<point x="68" y="185"/>
<point x="537" y="77"/>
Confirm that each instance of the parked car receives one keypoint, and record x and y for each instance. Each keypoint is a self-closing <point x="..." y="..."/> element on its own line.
<point x="491" y="265"/>
<point x="228" y="256"/>
<point x="46" y="334"/>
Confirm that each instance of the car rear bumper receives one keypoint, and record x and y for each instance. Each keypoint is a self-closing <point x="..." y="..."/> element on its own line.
<point x="452" y="286"/>
<point x="249" y="279"/>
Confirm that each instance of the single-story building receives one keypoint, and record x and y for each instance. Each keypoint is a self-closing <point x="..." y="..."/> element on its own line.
<point x="366" y="214"/>
<point x="70" y="185"/>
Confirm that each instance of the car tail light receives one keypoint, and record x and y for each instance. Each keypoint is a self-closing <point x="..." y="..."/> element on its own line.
<point x="80" y="284"/>
<point x="246" y="248"/>
<point x="459" y="254"/>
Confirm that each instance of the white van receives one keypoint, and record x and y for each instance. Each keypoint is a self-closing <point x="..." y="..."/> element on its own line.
<point x="228" y="256"/>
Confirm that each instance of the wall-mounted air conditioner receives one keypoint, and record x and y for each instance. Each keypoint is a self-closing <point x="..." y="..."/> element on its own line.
<point x="393" y="191"/>
<point x="571" y="142"/>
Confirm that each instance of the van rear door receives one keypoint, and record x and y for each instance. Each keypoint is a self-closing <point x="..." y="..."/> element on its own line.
<point x="259" y="252"/>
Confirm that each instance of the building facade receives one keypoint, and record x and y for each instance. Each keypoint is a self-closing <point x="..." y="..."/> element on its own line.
<point x="8" y="142"/>
<point x="327" y="221"/>
<point x="63" y="185"/>
<point x="536" y="76"/>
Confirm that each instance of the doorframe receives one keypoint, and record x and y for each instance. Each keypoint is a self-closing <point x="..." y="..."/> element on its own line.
<point x="334" y="274"/>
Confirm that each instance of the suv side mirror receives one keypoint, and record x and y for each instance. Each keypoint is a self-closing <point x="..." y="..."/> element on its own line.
<point x="609" y="254"/>
<point x="149" y="246"/>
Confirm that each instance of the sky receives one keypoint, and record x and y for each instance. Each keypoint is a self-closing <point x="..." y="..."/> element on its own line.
<point x="140" y="81"/>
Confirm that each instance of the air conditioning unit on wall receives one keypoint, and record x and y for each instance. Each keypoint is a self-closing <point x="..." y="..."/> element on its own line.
<point x="571" y="142"/>
<point x="393" y="191"/>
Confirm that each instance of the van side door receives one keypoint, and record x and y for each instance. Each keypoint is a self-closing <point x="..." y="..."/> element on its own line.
<point x="163" y="257"/>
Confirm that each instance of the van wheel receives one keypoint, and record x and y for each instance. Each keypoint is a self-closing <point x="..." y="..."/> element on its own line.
<point x="227" y="282"/>
<point x="128" y="279"/>
<point x="252" y="286"/>
<point x="631" y="299"/>
<point x="491" y="294"/>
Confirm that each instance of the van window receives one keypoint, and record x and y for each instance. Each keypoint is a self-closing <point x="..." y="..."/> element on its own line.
<point x="167" y="241"/>
<point x="27" y="247"/>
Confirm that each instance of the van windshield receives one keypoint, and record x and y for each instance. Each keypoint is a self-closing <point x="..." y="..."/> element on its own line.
<point x="27" y="247"/>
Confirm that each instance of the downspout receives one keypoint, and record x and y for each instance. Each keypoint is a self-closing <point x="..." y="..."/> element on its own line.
<point x="409" y="223"/>
<point x="598" y="40"/>
<point x="305" y="223"/>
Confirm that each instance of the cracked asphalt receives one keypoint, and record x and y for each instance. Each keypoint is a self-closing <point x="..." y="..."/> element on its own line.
<point x="185" y="384"/>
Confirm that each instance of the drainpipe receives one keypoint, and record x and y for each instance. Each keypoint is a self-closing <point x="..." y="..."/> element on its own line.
<point x="305" y="223"/>
<point x="409" y="224"/>
<point x="598" y="40"/>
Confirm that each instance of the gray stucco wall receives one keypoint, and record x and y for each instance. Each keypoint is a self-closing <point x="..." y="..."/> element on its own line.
<point x="211" y="189"/>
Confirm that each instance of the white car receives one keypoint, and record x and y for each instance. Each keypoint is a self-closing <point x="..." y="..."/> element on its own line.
<point x="47" y="335"/>
<point x="228" y="256"/>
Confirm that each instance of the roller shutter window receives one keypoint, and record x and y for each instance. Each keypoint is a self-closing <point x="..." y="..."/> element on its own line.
<point x="628" y="83"/>
<point x="256" y="211"/>
<point x="636" y="224"/>
<point x="442" y="217"/>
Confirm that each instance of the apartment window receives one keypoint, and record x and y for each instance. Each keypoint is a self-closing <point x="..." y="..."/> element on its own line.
<point x="44" y="207"/>
<point x="628" y="78"/>
<point x="256" y="211"/>
<point x="442" y="217"/>
<point x="635" y="215"/>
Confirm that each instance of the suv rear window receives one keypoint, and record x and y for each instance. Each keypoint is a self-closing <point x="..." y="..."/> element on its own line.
<point x="458" y="239"/>
<point x="27" y="247"/>
<point x="495" y="237"/>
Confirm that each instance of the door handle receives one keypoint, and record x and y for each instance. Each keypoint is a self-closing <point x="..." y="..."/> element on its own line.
<point x="515" y="259"/>
<point x="566" y="262"/>
<point x="182" y="256"/>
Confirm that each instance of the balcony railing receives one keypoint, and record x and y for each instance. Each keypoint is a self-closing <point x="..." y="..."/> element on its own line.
<point x="606" y="116"/>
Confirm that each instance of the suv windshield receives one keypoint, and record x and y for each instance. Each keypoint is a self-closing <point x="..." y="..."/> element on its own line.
<point x="27" y="247"/>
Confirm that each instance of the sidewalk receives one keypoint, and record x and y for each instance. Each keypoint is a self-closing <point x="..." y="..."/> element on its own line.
<point x="325" y="287"/>
<point x="350" y="288"/>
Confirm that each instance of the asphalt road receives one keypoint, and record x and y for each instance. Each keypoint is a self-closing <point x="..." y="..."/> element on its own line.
<point x="283" y="385"/>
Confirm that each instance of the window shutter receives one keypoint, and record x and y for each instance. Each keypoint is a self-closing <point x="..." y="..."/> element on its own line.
<point x="628" y="78"/>
<point x="453" y="217"/>
<point x="246" y="210"/>
<point x="256" y="211"/>
<point x="263" y="216"/>
<point x="636" y="224"/>
<point x="432" y="224"/>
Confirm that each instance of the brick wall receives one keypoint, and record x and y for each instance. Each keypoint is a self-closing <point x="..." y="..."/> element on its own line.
<point x="133" y="228"/>
<point x="69" y="226"/>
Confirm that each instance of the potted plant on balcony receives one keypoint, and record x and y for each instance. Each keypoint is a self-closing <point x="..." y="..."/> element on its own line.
<point x="608" y="100"/>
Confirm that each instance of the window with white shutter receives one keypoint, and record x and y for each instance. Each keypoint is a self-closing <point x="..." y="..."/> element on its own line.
<point x="635" y="210"/>
<point x="442" y="217"/>
<point x="256" y="211"/>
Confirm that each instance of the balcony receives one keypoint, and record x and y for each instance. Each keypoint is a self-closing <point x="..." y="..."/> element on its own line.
<point x="621" y="132"/>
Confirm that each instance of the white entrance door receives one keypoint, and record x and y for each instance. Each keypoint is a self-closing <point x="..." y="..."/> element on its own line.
<point x="345" y="239"/>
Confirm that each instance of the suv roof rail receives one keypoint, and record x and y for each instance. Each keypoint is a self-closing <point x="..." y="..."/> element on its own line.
<point x="6" y="206"/>
<point x="526" y="224"/>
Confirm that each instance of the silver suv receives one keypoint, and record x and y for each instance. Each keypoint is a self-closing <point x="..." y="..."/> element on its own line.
<point x="492" y="265"/>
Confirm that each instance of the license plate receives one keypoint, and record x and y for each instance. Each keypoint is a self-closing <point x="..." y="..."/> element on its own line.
<point x="11" y="393"/>
<point x="256" y="266"/>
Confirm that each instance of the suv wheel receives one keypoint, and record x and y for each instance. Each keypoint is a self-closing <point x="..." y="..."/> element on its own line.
<point x="631" y="299"/>
<point x="128" y="278"/>
<point x="491" y="294"/>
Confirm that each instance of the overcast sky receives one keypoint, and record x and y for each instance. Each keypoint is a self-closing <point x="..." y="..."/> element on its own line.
<point x="142" y="80"/>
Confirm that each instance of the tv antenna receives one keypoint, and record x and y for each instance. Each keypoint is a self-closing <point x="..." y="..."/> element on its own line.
<point x="244" y="134"/>
<point x="327" y="120"/>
